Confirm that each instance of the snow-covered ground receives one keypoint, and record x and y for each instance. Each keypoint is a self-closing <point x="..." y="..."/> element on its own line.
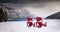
<point x="20" y="26"/>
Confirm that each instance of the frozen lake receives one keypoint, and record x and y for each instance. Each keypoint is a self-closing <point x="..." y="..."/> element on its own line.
<point x="20" y="26"/>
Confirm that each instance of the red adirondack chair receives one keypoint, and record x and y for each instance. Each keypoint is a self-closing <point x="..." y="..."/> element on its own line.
<point x="29" y="22"/>
<point x="39" y="22"/>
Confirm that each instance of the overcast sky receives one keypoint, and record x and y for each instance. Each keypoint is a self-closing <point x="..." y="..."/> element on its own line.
<point x="24" y="1"/>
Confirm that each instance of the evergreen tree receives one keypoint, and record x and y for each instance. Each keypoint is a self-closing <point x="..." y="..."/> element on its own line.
<point x="3" y="15"/>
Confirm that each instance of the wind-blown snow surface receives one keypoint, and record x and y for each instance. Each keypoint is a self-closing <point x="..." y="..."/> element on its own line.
<point x="20" y="26"/>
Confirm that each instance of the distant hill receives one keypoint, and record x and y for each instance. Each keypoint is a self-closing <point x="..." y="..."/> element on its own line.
<point x="54" y="16"/>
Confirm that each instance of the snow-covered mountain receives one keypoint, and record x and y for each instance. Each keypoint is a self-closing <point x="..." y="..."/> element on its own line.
<point x="17" y="13"/>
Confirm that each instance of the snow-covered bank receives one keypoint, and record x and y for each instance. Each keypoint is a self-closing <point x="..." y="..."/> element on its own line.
<point x="52" y="26"/>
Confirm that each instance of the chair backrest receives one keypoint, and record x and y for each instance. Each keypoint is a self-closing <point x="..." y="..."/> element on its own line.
<point x="29" y="19"/>
<point x="38" y="18"/>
